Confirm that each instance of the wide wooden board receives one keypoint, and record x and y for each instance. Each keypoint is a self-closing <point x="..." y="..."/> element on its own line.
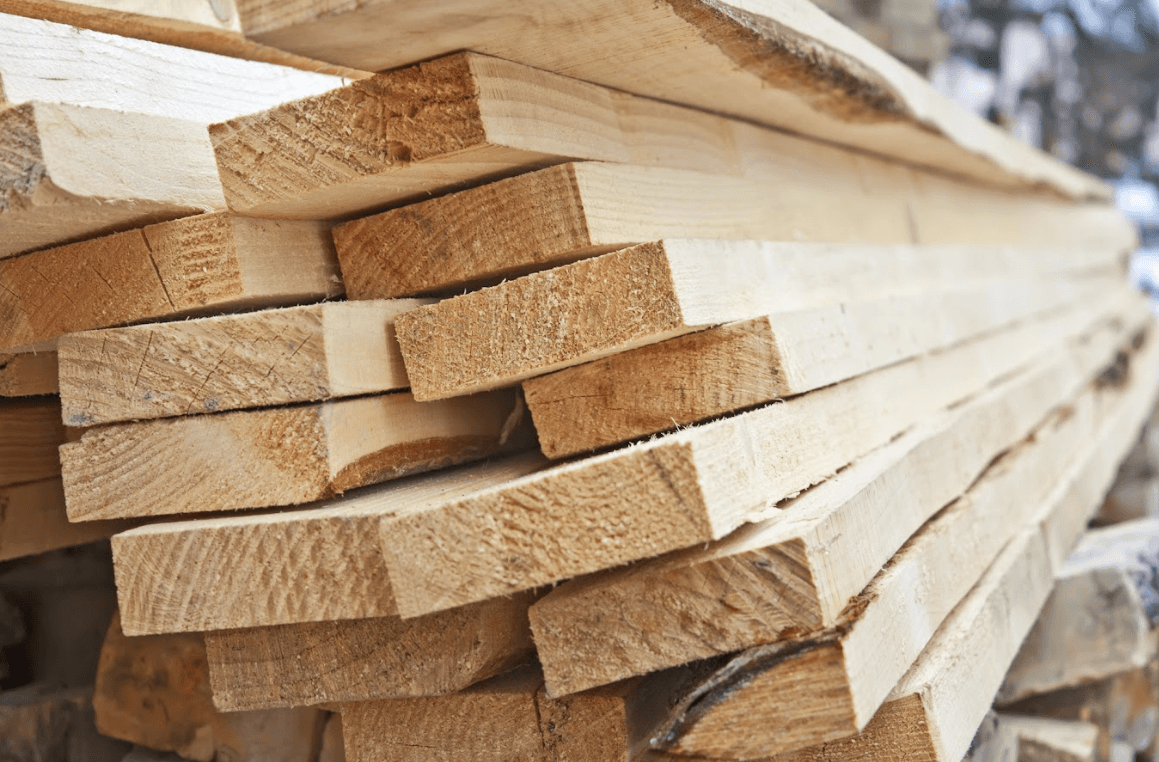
<point x="33" y="521"/>
<point x="30" y="433"/>
<point x="28" y="374"/>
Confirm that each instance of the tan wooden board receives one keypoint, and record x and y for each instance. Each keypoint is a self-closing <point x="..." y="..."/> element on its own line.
<point x="572" y="211"/>
<point x="279" y="456"/>
<point x="779" y="62"/>
<point x="230" y="362"/>
<point x="30" y="433"/>
<point x="33" y="521"/>
<point x="363" y="659"/>
<point x="28" y="374"/>
<point x="796" y="572"/>
<point x="212" y="262"/>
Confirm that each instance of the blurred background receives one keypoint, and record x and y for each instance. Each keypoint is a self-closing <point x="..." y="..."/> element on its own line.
<point x="1077" y="78"/>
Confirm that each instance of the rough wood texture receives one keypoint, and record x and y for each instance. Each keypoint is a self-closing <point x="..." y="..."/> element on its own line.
<point x="1042" y="739"/>
<point x="28" y="374"/>
<point x="794" y="573"/>
<point x="155" y="691"/>
<point x="46" y="62"/>
<point x="69" y="172"/>
<point x="279" y="456"/>
<point x="709" y="373"/>
<point x="256" y="359"/>
<point x="779" y="62"/>
<point x="191" y="265"/>
<point x="591" y="309"/>
<point x="1099" y="618"/>
<point x="324" y="662"/>
<point x="171" y="578"/>
<point x="212" y="27"/>
<point x="676" y="491"/>
<point x="33" y="521"/>
<point x="30" y="433"/>
<point x="573" y="211"/>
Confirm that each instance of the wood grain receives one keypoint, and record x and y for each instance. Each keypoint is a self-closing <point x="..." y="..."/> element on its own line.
<point x="278" y="456"/>
<point x="617" y="302"/>
<point x="30" y="433"/>
<point x="777" y="62"/>
<point x="28" y="374"/>
<point x="33" y="521"/>
<point x="573" y="211"/>
<point x="358" y="660"/>
<point x="230" y="362"/>
<point x="211" y="262"/>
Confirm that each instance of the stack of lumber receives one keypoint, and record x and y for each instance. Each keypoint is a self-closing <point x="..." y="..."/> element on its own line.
<point x="561" y="396"/>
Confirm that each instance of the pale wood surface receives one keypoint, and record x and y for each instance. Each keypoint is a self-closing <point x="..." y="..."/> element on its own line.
<point x="324" y="662"/>
<point x="69" y="172"/>
<point x="171" y="578"/>
<point x="779" y="62"/>
<point x="255" y="359"/>
<point x="207" y="262"/>
<point x="33" y="521"/>
<point x="155" y="691"/>
<point x="674" y="491"/>
<point x="28" y="374"/>
<point x="830" y="687"/>
<point x="1042" y="739"/>
<point x="708" y="373"/>
<point x="645" y="294"/>
<point x="45" y="62"/>
<point x="30" y="432"/>
<point x="278" y="456"/>
<point x="796" y="572"/>
<point x="993" y="742"/>
<point x="209" y="26"/>
<point x="573" y="211"/>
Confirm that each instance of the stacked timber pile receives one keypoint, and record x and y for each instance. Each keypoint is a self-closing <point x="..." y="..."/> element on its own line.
<point x="729" y="396"/>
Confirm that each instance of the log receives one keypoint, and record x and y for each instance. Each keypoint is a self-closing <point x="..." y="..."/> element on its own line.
<point x="573" y="211"/>
<point x="1099" y="618"/>
<point x="639" y="296"/>
<point x="28" y="374"/>
<point x="213" y="262"/>
<point x="279" y="456"/>
<point x="1042" y="739"/>
<point x="329" y="662"/>
<point x="33" y="521"/>
<point x="783" y="64"/>
<point x="713" y="372"/>
<point x="828" y="686"/>
<point x="30" y="433"/>
<point x="213" y="28"/>
<point x="785" y="578"/>
<point x="69" y="172"/>
<point x="170" y="576"/>
<point x="703" y="482"/>
<point x="46" y="62"/>
<point x="154" y="691"/>
<point x="231" y="362"/>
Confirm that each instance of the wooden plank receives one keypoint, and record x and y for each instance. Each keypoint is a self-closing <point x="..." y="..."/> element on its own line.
<point x="230" y="362"/>
<point x="829" y="686"/>
<point x="210" y="262"/>
<point x="363" y="659"/>
<point x="30" y="433"/>
<point x="69" y="172"/>
<point x="170" y="577"/>
<point x="1041" y="739"/>
<point x="28" y="374"/>
<point x="212" y="27"/>
<point x="786" y="64"/>
<point x="701" y="375"/>
<point x="573" y="211"/>
<point x="1099" y="617"/>
<point x="155" y="691"/>
<point x="598" y="307"/>
<point x="33" y="521"/>
<point x="46" y="62"/>
<point x="468" y="119"/>
<point x="993" y="742"/>
<point x="676" y="491"/>
<point x="796" y="572"/>
<point x="279" y="456"/>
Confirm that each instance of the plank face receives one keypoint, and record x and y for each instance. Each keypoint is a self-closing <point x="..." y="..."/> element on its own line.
<point x="28" y="374"/>
<point x="256" y="359"/>
<point x="777" y="62"/>
<point x="33" y="521"/>
<point x="30" y="432"/>
<point x="172" y="269"/>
